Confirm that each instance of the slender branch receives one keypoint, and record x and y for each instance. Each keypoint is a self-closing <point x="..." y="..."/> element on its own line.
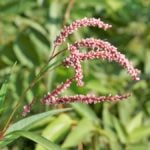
<point x="54" y="55"/>
<point x="53" y="51"/>
<point x="27" y="89"/>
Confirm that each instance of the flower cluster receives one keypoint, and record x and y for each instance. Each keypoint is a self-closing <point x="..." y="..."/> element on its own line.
<point x="78" y="24"/>
<point x="99" y="49"/>
<point x="88" y="99"/>
<point x="57" y="91"/>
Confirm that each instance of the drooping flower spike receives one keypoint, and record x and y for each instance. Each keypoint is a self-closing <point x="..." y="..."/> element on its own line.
<point x="88" y="99"/>
<point x="66" y="31"/>
<point x="102" y="50"/>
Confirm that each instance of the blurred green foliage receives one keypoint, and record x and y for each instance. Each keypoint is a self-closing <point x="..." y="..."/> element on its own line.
<point x="27" y="30"/>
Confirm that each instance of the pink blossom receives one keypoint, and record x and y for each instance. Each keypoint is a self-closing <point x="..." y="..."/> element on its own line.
<point x="75" y="62"/>
<point x="89" y="99"/>
<point x="66" y="31"/>
<point x="26" y="110"/>
<point x="100" y="49"/>
<point x="95" y="44"/>
<point x="57" y="91"/>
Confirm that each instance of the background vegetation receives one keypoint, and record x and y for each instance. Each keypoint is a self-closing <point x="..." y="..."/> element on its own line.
<point x="27" y="30"/>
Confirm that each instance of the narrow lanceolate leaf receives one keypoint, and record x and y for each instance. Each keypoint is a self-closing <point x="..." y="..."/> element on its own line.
<point x="3" y="89"/>
<point x="79" y="134"/>
<point x="109" y="127"/>
<point x="26" y="124"/>
<point x="21" y="56"/>
<point x="147" y="63"/>
<point x="29" y="121"/>
<point x="121" y="132"/>
<point x="3" y="92"/>
<point x="38" y="139"/>
<point x="57" y="129"/>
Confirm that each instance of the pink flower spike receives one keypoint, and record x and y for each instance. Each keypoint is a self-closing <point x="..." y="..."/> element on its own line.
<point x="104" y="50"/>
<point x="66" y="31"/>
<point x="77" y="65"/>
<point x="89" y="99"/>
<point x="57" y="91"/>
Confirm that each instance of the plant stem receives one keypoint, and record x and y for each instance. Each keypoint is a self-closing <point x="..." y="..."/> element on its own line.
<point x="28" y="88"/>
<point x="53" y="56"/>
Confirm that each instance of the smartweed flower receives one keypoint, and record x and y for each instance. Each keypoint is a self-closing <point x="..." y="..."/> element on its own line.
<point x="97" y="49"/>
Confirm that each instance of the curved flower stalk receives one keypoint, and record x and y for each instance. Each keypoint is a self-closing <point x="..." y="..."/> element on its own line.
<point x="99" y="49"/>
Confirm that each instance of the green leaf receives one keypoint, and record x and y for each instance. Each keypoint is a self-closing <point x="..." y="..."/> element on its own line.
<point x="24" y="21"/>
<point x="138" y="146"/>
<point x="79" y="134"/>
<point x="120" y="130"/>
<point x="135" y="122"/>
<point x="38" y="139"/>
<point x="27" y="122"/>
<point x="115" y="5"/>
<point x="139" y="133"/>
<point x="56" y="130"/>
<point x="3" y="91"/>
<point x="96" y="86"/>
<point x="14" y="7"/>
<point x="85" y="111"/>
<point x="21" y="56"/>
<point x="4" y="87"/>
<point x="107" y="117"/>
<point x="109" y="126"/>
<point x="147" y="63"/>
<point x="8" y="139"/>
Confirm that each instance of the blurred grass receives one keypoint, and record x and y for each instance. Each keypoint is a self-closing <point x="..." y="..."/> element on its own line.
<point x="27" y="30"/>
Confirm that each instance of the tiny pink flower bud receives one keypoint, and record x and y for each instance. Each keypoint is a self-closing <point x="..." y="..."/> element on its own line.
<point x="26" y="110"/>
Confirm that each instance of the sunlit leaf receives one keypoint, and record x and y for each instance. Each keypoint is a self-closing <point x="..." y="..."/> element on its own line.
<point x="79" y="133"/>
<point x="27" y="122"/>
<point x="121" y="132"/>
<point x="139" y="133"/>
<point x="135" y="122"/>
<point x="56" y="130"/>
<point x="38" y="139"/>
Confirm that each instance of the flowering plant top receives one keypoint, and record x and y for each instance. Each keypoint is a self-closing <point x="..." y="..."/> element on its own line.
<point x="99" y="49"/>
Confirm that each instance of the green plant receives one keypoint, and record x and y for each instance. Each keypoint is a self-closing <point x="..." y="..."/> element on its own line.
<point x="28" y="29"/>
